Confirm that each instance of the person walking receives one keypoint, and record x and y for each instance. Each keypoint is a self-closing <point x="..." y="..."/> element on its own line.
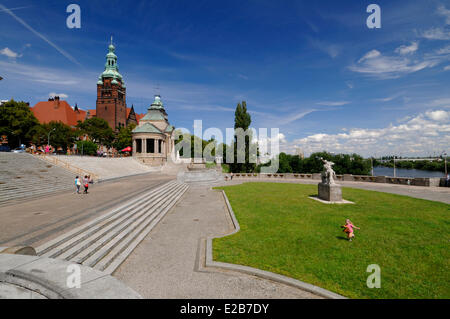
<point x="77" y="184"/>
<point x="86" y="184"/>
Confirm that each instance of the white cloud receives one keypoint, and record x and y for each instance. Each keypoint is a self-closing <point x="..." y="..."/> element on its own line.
<point x="61" y="95"/>
<point x="405" y="49"/>
<point x="419" y="135"/>
<point x="333" y="103"/>
<point x="390" y="67"/>
<point x="31" y="73"/>
<point x="447" y="68"/>
<point x="443" y="102"/>
<point x="436" y="34"/>
<point x="294" y="117"/>
<point x="444" y="50"/>
<point x="386" y="99"/>
<point x="370" y="55"/>
<point x="9" y="53"/>
<point x="350" y="85"/>
<point x="440" y="115"/>
<point x="443" y="11"/>
<point x="333" y="50"/>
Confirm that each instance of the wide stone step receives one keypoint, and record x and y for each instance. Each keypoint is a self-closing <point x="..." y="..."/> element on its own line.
<point x="94" y="240"/>
<point x="28" y="194"/>
<point x="24" y="176"/>
<point x="105" y="242"/>
<point x="67" y="240"/>
<point x="118" y="256"/>
<point x="125" y="237"/>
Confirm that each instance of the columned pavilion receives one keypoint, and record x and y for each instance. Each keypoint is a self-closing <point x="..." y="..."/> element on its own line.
<point x="152" y="139"/>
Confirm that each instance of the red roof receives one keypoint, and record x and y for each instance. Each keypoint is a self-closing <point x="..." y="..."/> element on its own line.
<point x="92" y="113"/>
<point x="59" y="111"/>
<point x="139" y="116"/>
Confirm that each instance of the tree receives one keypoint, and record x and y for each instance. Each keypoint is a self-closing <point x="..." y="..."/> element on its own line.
<point x="98" y="130"/>
<point x="61" y="135"/>
<point x="187" y="141"/>
<point x="284" y="163"/>
<point x="344" y="163"/>
<point x="87" y="147"/>
<point x="248" y="150"/>
<point x="17" y="122"/>
<point x="124" y="137"/>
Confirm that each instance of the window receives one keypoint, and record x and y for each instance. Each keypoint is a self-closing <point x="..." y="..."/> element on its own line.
<point x="138" y="146"/>
<point x="151" y="145"/>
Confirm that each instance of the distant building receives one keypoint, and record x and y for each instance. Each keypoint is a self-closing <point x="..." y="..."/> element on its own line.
<point x="153" y="137"/>
<point x="300" y="153"/>
<point x="111" y="93"/>
<point x="60" y="111"/>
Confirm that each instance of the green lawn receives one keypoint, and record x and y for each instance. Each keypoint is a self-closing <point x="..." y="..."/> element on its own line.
<point x="285" y="232"/>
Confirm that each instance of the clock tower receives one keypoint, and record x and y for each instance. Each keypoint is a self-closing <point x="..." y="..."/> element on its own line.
<point x="111" y="93"/>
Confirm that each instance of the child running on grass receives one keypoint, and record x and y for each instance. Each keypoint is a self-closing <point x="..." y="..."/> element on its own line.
<point x="349" y="229"/>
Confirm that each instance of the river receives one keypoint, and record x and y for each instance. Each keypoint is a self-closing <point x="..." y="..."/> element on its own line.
<point x="402" y="172"/>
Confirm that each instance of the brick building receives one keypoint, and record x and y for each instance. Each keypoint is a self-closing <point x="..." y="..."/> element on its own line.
<point x="111" y="93"/>
<point x="59" y="111"/>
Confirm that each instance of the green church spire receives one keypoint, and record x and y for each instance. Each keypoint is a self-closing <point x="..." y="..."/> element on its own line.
<point x="111" y="67"/>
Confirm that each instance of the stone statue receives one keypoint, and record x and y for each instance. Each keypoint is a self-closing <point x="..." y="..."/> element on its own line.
<point x="328" y="174"/>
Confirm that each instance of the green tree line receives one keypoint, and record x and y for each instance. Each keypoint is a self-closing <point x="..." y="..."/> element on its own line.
<point x="438" y="165"/>
<point x="344" y="163"/>
<point x="19" y="124"/>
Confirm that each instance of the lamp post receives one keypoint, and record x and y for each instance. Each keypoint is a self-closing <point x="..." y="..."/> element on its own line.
<point x="48" y="137"/>
<point x="395" y="172"/>
<point x="371" y="164"/>
<point x="445" y="162"/>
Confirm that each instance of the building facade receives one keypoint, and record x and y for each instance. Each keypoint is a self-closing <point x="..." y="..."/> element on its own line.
<point x="56" y="110"/>
<point x="153" y="137"/>
<point x="111" y="102"/>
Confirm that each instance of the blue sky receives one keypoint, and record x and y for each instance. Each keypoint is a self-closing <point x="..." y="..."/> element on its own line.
<point x="310" y="68"/>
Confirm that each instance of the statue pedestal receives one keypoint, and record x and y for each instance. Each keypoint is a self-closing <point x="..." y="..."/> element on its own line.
<point x="331" y="193"/>
<point x="197" y="164"/>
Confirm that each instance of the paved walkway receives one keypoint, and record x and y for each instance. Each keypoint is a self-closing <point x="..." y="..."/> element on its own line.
<point x="35" y="221"/>
<point x="438" y="194"/>
<point x="168" y="263"/>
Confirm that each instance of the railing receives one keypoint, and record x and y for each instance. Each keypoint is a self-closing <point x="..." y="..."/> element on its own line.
<point x="70" y="167"/>
<point x="428" y="182"/>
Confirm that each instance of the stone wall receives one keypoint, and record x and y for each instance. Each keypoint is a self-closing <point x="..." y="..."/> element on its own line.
<point x="427" y="182"/>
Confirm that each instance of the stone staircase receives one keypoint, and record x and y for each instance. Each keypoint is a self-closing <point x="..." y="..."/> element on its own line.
<point x="23" y="176"/>
<point x="102" y="168"/>
<point x="105" y="242"/>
